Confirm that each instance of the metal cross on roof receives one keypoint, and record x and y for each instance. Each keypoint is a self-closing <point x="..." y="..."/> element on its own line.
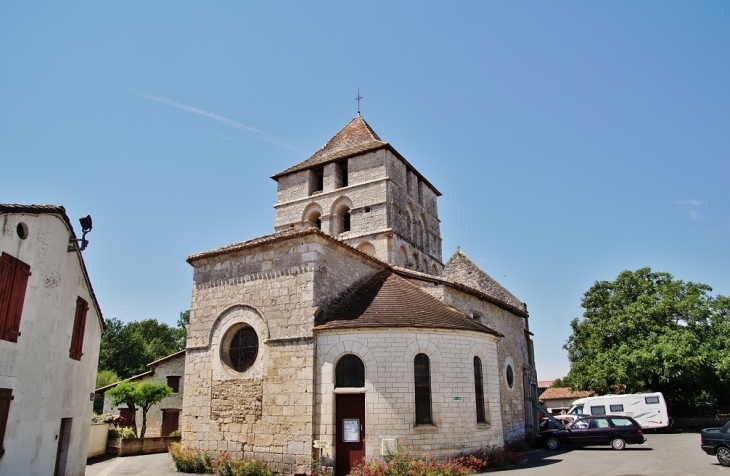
<point x="358" y="101"/>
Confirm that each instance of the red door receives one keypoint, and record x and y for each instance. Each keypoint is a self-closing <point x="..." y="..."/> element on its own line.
<point x="350" y="420"/>
<point x="170" y="420"/>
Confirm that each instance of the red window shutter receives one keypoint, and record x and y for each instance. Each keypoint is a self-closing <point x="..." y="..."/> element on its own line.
<point x="77" y="339"/>
<point x="13" y="283"/>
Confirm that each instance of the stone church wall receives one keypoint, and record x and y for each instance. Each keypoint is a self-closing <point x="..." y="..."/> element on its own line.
<point x="390" y="393"/>
<point x="512" y="349"/>
<point x="266" y="411"/>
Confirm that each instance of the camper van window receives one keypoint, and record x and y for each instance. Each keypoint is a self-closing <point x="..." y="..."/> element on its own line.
<point x="616" y="408"/>
<point x="598" y="410"/>
<point x="651" y="399"/>
<point x="578" y="410"/>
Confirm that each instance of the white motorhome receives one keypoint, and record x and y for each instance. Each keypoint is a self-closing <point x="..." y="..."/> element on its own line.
<point x="648" y="409"/>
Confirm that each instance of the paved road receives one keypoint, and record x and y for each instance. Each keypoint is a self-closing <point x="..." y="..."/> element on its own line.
<point x="159" y="464"/>
<point x="662" y="454"/>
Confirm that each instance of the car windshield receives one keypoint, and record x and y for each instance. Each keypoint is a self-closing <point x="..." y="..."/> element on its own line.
<point x="577" y="410"/>
<point x="725" y="428"/>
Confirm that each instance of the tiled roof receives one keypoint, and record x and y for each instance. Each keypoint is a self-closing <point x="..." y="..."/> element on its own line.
<point x="544" y="383"/>
<point x="388" y="300"/>
<point x="60" y="212"/>
<point x="461" y="269"/>
<point x="555" y="393"/>
<point x="356" y="138"/>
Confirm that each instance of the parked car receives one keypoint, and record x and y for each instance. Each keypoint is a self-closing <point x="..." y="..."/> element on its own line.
<point x="614" y="430"/>
<point x="716" y="441"/>
<point x="547" y="424"/>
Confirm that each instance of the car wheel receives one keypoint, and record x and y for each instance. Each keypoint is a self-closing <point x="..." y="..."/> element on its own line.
<point x="618" y="444"/>
<point x="723" y="456"/>
<point x="552" y="443"/>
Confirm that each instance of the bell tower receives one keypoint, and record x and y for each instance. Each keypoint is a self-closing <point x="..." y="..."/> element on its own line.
<point x="360" y="190"/>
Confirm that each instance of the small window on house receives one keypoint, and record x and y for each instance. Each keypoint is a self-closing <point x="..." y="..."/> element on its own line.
<point x="350" y="372"/>
<point x="598" y="410"/>
<point x="616" y="408"/>
<point x="479" y="390"/>
<point x="6" y="395"/>
<point x="77" y="339"/>
<point x="22" y="230"/>
<point x="650" y="400"/>
<point x="240" y="348"/>
<point x="422" y="380"/>
<point x="13" y="283"/>
<point x="173" y="381"/>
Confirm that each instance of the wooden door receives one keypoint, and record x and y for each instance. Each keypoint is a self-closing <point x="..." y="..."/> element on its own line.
<point x="64" y="437"/>
<point x="350" y="421"/>
<point x="170" y="421"/>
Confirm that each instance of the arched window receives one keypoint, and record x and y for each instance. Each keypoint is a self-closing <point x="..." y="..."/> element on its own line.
<point x="422" y="379"/>
<point x="343" y="215"/>
<point x="366" y="247"/>
<point x="316" y="219"/>
<point x="479" y="390"/>
<point x="350" y="372"/>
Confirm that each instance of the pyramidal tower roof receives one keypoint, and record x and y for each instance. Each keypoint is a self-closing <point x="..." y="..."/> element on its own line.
<point x="355" y="138"/>
<point x="461" y="269"/>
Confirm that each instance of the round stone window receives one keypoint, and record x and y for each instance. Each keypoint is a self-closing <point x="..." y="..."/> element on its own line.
<point x="510" y="375"/>
<point x="240" y="348"/>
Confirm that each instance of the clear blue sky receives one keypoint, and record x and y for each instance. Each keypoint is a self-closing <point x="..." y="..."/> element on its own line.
<point x="570" y="140"/>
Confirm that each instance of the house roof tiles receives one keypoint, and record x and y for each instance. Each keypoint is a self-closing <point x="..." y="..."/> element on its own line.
<point x="555" y="393"/>
<point x="388" y="300"/>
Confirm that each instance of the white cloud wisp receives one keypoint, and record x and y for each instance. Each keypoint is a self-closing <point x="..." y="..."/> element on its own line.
<point x="217" y="117"/>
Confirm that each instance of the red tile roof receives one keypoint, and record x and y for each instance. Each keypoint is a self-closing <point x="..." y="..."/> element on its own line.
<point x="388" y="300"/>
<point x="555" y="393"/>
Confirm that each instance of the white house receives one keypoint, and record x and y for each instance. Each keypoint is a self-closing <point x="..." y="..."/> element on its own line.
<point x="162" y="418"/>
<point x="50" y="329"/>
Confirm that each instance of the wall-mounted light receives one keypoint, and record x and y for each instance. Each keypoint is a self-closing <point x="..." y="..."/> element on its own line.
<point x="81" y="244"/>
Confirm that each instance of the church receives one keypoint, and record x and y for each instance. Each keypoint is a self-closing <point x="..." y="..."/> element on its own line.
<point x="343" y="335"/>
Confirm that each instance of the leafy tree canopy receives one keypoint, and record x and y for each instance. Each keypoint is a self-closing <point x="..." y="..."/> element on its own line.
<point x="106" y="377"/>
<point x="142" y="395"/>
<point x="647" y="331"/>
<point x="126" y="348"/>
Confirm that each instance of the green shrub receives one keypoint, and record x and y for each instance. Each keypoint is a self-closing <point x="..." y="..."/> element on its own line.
<point x="125" y="433"/>
<point x="226" y="465"/>
<point x="176" y="433"/>
<point x="188" y="460"/>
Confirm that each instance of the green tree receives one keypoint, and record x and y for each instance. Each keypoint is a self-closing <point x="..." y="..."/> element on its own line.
<point x="106" y="377"/>
<point x="142" y="395"/>
<point x="646" y="331"/>
<point x="148" y="394"/>
<point x="126" y="392"/>
<point x="127" y="348"/>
